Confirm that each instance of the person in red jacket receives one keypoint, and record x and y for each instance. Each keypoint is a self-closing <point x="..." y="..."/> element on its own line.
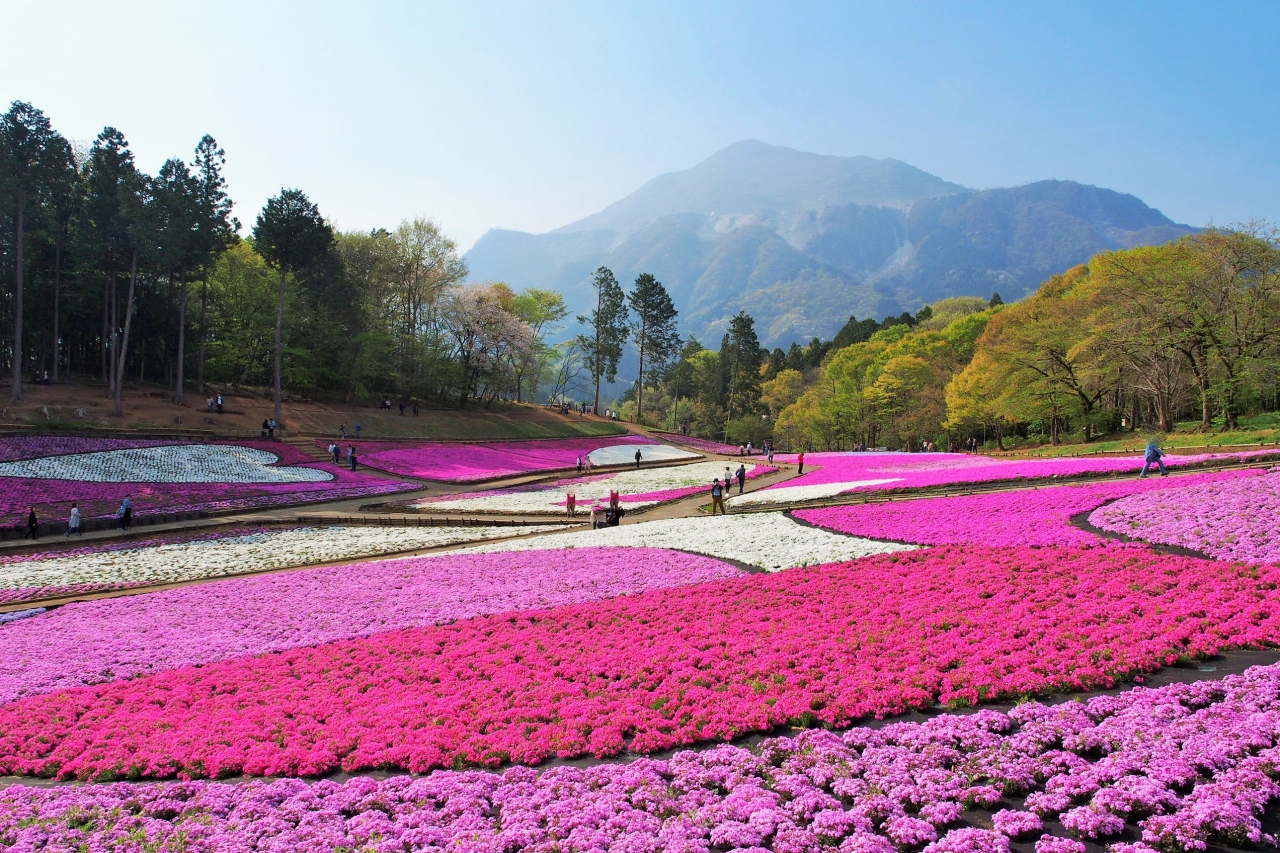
<point x="801" y="461"/>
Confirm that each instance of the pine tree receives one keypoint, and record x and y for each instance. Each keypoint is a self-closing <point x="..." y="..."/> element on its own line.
<point x="653" y="329"/>
<point x="606" y="329"/>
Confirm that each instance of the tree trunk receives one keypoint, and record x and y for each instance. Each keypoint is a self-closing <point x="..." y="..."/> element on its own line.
<point x="57" y="295"/>
<point x="179" y="393"/>
<point x="279" y="346"/>
<point x="640" y="381"/>
<point x="204" y="304"/>
<point x="15" y="395"/>
<point x="118" y="410"/>
<point x="106" y="301"/>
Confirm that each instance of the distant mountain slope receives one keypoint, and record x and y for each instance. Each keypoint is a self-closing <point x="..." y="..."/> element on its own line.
<point x="749" y="176"/>
<point x="801" y="241"/>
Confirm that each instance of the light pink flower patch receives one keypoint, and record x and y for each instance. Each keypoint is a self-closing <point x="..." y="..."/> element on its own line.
<point x="1232" y="519"/>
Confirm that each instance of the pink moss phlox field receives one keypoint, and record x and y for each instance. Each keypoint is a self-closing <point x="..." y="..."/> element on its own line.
<point x="923" y="470"/>
<point x="52" y="498"/>
<point x="663" y="668"/>
<point x="100" y="641"/>
<point x="467" y="463"/>
<point x="1230" y="520"/>
<point x="1184" y="766"/>
<point x="567" y="484"/>
<point x="1040" y="517"/>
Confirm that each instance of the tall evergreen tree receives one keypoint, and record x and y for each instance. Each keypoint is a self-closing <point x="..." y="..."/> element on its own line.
<point x="65" y="192"/>
<point x="216" y="230"/>
<point x="30" y="154"/>
<point x="653" y="329"/>
<point x="290" y="234"/>
<point x="740" y="360"/>
<point x="606" y="329"/>
<point x="177" y="222"/>
<point x="102" y="235"/>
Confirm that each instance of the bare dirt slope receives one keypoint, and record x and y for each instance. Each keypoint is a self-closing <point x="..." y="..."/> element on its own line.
<point x="77" y="405"/>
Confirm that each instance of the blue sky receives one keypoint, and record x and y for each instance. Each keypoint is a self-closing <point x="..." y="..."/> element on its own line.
<point x="531" y="115"/>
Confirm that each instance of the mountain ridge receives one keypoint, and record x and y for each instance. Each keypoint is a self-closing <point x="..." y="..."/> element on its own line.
<point x="801" y="241"/>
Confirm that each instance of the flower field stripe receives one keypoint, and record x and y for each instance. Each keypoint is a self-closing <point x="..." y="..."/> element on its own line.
<point x="766" y="540"/>
<point x="931" y="470"/>
<point x="824" y="645"/>
<point x="1228" y="519"/>
<point x="105" y="640"/>
<point x="638" y="488"/>
<point x="1038" y="517"/>
<point x="209" y="555"/>
<point x="1184" y="766"/>
<point x="452" y="462"/>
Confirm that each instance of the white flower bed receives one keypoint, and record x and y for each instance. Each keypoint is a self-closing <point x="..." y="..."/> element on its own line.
<point x="625" y="454"/>
<point x="184" y="463"/>
<point x="636" y="488"/>
<point x="795" y="494"/>
<point x="271" y="549"/>
<point x="768" y="540"/>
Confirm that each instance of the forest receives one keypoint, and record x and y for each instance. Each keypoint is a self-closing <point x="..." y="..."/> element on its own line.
<point x="119" y="277"/>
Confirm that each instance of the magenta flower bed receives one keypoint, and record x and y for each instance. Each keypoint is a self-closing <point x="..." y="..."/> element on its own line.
<point x="922" y="470"/>
<point x="1185" y="765"/>
<point x="703" y="445"/>
<point x="100" y="641"/>
<point x="660" y="669"/>
<point x="1041" y="517"/>
<point x="52" y="498"/>
<point x="1236" y="519"/>
<point x="468" y="463"/>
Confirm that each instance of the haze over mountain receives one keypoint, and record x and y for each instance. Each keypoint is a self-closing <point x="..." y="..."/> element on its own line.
<point x="801" y="241"/>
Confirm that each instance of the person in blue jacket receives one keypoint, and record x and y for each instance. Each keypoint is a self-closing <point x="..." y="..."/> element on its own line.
<point x="1153" y="456"/>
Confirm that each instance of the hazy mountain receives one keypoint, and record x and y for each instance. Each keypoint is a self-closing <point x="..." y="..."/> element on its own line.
<point x="801" y="241"/>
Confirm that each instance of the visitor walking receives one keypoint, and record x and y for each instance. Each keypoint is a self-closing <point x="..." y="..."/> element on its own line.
<point x="728" y="477"/>
<point x="333" y="451"/>
<point x="33" y="525"/>
<point x="637" y="460"/>
<point x="208" y="405"/>
<point x="359" y="429"/>
<point x="219" y="404"/>
<point x="73" y="524"/>
<point x="717" y="497"/>
<point x="402" y="408"/>
<point x="415" y="408"/>
<point x="125" y="513"/>
<point x="742" y="478"/>
<point x="571" y="503"/>
<point x="343" y="430"/>
<point x="353" y="459"/>
<point x="769" y="450"/>
<point x="1153" y="456"/>
<point x="271" y="428"/>
<point x="265" y="425"/>
<point x="800" y="459"/>
<point x="579" y="464"/>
